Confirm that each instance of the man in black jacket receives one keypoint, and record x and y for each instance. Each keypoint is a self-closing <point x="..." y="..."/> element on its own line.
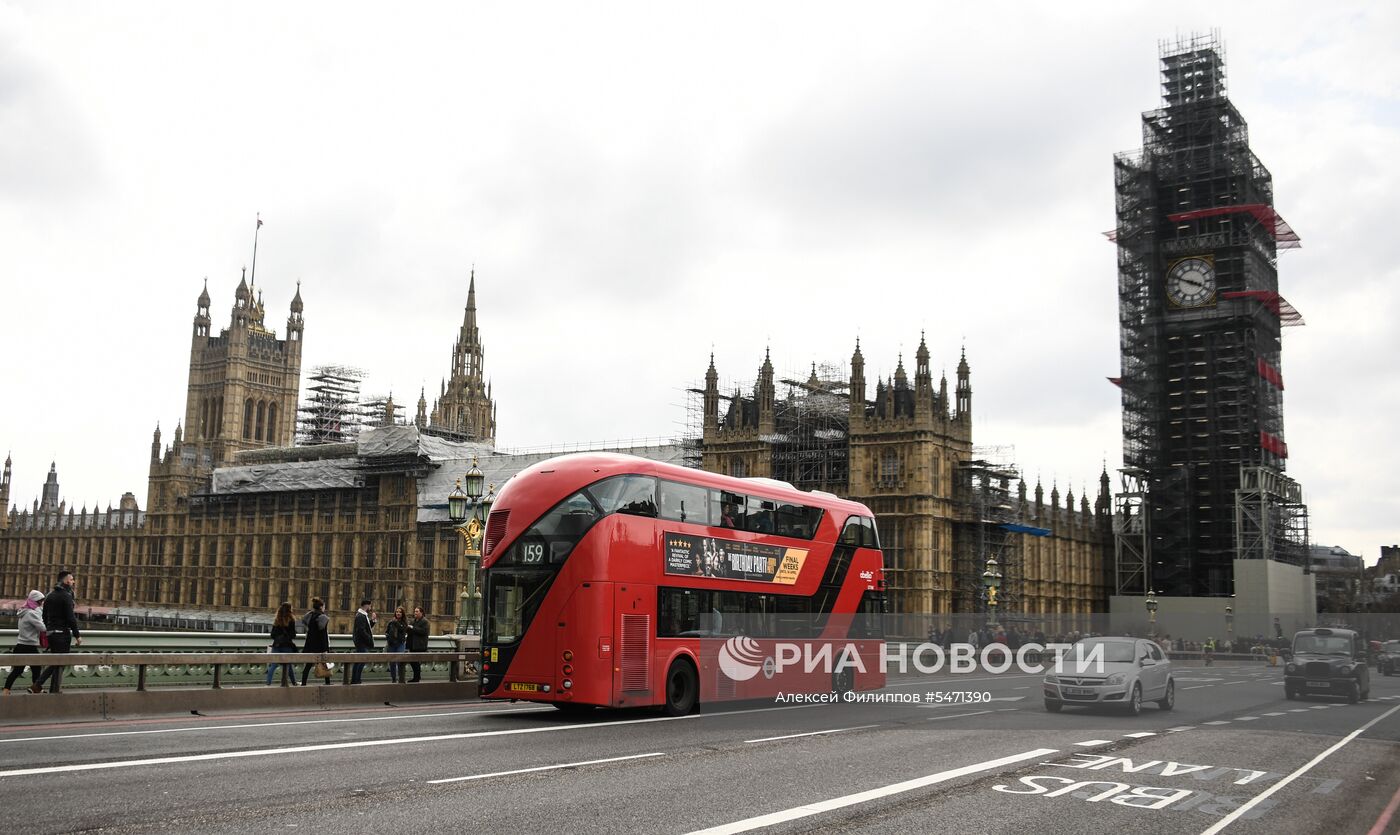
<point x="363" y="635"/>
<point x="61" y="621"/>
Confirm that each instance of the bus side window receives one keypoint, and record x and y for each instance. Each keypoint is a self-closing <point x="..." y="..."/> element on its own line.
<point x="798" y="521"/>
<point x="680" y="613"/>
<point x="760" y="515"/>
<point x="685" y="503"/>
<point x="872" y="536"/>
<point x="852" y="534"/>
<point x="731" y="509"/>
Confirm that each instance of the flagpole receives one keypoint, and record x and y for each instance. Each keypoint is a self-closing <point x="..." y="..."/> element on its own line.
<point x="254" y="279"/>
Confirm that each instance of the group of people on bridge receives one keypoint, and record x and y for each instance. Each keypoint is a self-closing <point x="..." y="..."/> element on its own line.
<point x="400" y="635"/>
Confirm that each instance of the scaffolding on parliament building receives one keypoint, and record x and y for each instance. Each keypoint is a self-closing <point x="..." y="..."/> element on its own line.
<point x="810" y="442"/>
<point x="988" y="520"/>
<point x="332" y="412"/>
<point x="1201" y="385"/>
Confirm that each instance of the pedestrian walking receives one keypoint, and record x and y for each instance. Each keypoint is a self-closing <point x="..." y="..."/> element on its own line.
<point x="61" y="621"/>
<point x="417" y="640"/>
<point x="284" y="639"/>
<point x="318" y="638"/>
<point x="31" y="637"/>
<point x="396" y="640"/>
<point x="363" y="636"/>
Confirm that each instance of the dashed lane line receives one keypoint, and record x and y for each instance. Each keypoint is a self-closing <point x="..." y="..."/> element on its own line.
<point x="370" y="743"/>
<point x="1217" y="722"/>
<point x="1141" y="735"/>
<point x="1197" y="686"/>
<point x="1180" y="728"/>
<point x="546" y="768"/>
<point x="1273" y="714"/>
<point x="1089" y="743"/>
<point x="226" y="727"/>
<point x="807" y="810"/>
<point x="1245" y="718"/>
<point x="812" y="733"/>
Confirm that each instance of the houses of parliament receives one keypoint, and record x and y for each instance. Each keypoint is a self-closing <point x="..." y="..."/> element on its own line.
<point x="238" y="519"/>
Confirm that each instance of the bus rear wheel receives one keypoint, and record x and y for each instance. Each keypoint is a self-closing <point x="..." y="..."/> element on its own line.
<point x="682" y="688"/>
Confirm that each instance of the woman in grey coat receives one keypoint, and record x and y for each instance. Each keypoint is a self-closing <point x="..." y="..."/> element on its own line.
<point x="31" y="626"/>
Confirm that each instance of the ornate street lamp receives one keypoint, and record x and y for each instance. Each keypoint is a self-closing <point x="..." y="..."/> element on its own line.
<point x="1151" y="604"/>
<point x="468" y="511"/>
<point x="991" y="581"/>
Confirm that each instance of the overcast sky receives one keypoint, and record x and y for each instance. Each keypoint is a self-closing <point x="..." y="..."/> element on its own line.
<point x="641" y="185"/>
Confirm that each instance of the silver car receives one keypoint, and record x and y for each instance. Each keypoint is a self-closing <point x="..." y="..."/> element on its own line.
<point x="1118" y="672"/>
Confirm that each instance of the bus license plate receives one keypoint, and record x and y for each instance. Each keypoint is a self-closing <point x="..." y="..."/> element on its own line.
<point x="523" y="687"/>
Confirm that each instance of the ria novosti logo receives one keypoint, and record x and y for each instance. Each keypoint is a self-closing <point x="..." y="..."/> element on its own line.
<point x="741" y="658"/>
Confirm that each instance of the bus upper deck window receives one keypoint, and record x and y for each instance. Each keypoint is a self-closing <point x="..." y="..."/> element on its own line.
<point x="631" y="494"/>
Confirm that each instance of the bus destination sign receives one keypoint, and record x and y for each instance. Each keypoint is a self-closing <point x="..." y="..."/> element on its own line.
<point x="704" y="556"/>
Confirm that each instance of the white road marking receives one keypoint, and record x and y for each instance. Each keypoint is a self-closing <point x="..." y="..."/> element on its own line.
<point x="1092" y="742"/>
<point x="930" y="681"/>
<point x="1245" y="718"/>
<point x="812" y="733"/>
<point x="370" y="743"/>
<point x="1142" y="735"/>
<point x="1319" y="707"/>
<point x="807" y="810"/>
<point x="956" y="715"/>
<point x="1021" y="688"/>
<point x="1299" y="710"/>
<point x="1273" y="714"/>
<point x="1197" y="686"/>
<point x="1180" y="728"/>
<point x="396" y="716"/>
<point x="546" y="768"/>
<point x="1219" y="722"/>
<point x="1264" y="795"/>
<point x="1228" y="683"/>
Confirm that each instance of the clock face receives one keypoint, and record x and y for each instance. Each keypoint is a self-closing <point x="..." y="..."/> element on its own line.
<point x="1191" y="282"/>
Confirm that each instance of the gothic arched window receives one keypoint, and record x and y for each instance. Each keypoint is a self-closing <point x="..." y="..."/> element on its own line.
<point x="262" y="421"/>
<point x="248" y="418"/>
<point x="889" y="468"/>
<point x="272" y="433"/>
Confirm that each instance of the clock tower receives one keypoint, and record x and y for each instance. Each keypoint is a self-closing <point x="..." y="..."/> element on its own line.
<point x="1200" y="338"/>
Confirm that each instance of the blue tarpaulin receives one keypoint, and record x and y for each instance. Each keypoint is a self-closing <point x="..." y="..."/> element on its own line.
<point x="1033" y="531"/>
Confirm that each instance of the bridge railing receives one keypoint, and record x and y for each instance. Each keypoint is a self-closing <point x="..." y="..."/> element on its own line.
<point x="138" y="668"/>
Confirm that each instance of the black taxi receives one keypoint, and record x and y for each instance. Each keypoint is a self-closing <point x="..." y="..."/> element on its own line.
<point x="1328" y="662"/>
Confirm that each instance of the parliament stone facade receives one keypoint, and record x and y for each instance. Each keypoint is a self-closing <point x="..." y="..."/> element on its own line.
<point x="238" y="520"/>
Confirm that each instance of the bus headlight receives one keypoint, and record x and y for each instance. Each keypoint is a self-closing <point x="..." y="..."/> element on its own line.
<point x="568" y="685"/>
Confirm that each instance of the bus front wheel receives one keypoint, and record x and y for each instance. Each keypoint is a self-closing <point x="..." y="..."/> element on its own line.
<point x="682" y="688"/>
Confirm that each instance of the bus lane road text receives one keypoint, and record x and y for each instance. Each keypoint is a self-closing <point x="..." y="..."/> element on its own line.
<point x="1130" y="783"/>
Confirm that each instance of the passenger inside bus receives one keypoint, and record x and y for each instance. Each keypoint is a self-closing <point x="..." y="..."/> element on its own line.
<point x="726" y="519"/>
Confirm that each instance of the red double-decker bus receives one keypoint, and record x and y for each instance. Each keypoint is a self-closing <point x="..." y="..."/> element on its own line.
<point x="619" y="581"/>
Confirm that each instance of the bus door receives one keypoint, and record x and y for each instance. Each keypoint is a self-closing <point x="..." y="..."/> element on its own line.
<point x="634" y="607"/>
